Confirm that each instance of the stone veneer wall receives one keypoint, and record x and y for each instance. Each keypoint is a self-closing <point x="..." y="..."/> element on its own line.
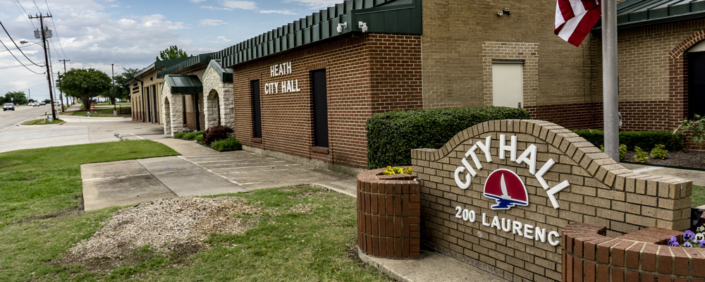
<point x="212" y="83"/>
<point x="172" y="111"/>
<point x="601" y="192"/>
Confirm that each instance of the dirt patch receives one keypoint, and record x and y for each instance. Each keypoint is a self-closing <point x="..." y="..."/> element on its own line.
<point x="175" y="227"/>
<point x="694" y="159"/>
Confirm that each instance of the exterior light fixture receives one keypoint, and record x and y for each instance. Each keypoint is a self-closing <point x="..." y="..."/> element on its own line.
<point x="342" y="26"/>
<point x="363" y="26"/>
<point x="504" y="12"/>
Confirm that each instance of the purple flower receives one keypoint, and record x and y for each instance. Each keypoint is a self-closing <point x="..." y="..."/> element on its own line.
<point x="702" y="243"/>
<point x="688" y="235"/>
<point x="688" y="245"/>
<point x="673" y="243"/>
<point x="673" y="239"/>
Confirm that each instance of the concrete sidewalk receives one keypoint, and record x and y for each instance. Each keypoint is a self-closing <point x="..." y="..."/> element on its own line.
<point x="199" y="171"/>
<point x="697" y="176"/>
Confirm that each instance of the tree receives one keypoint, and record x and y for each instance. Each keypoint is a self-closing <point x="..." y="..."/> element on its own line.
<point x="31" y="101"/>
<point x="171" y="53"/>
<point x="122" y="91"/>
<point x="84" y="84"/>
<point x="17" y="97"/>
<point x="47" y="101"/>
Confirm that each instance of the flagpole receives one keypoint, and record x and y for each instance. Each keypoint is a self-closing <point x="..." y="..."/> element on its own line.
<point x="610" y="78"/>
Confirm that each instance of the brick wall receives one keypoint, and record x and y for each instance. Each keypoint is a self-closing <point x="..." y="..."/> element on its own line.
<point x="455" y="63"/>
<point x="652" y="73"/>
<point x="601" y="192"/>
<point x="365" y="75"/>
<point x="640" y="256"/>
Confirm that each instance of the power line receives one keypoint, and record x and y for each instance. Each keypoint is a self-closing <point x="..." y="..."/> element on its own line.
<point x="18" y="60"/>
<point x="56" y="31"/>
<point x="19" y="6"/>
<point x="35" y="5"/>
<point x="18" y="47"/>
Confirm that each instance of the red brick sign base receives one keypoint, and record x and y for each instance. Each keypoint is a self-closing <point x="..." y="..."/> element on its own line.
<point x="388" y="215"/>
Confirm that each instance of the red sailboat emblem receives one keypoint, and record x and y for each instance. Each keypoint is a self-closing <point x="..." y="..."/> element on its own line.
<point x="506" y="188"/>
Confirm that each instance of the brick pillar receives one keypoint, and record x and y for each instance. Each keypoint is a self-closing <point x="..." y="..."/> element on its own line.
<point x="389" y="215"/>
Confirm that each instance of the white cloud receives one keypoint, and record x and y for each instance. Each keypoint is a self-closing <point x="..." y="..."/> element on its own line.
<point x="316" y="4"/>
<point x="283" y="12"/>
<point x="196" y="1"/>
<point x="236" y="4"/>
<point x="211" y="22"/>
<point x="223" y="39"/>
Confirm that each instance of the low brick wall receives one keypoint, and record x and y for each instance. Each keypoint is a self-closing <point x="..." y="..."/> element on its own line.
<point x="639" y="256"/>
<point x="388" y="215"/>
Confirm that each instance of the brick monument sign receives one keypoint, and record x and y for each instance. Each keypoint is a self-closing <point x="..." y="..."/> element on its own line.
<point x="498" y="195"/>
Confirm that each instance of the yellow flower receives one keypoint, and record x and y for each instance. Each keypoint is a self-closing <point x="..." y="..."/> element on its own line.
<point x="408" y="170"/>
<point x="389" y="167"/>
<point x="400" y="171"/>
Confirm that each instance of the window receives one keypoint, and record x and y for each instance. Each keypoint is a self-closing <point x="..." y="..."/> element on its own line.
<point x="256" y="110"/>
<point x="320" y="108"/>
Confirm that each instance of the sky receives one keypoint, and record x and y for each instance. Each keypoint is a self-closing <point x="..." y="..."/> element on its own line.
<point x="129" y="34"/>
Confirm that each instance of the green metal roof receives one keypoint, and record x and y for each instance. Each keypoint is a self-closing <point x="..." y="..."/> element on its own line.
<point x="183" y="84"/>
<point x="638" y="13"/>
<point x="153" y="66"/>
<point x="226" y="75"/>
<point x="381" y="16"/>
<point x="190" y="63"/>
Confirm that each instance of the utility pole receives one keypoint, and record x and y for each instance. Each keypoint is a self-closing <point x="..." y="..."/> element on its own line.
<point x="62" y="91"/>
<point x="46" y="59"/>
<point x="113" y="83"/>
<point x="610" y="78"/>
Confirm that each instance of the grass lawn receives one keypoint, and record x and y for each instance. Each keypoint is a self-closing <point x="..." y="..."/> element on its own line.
<point x="126" y="112"/>
<point x="698" y="197"/>
<point x="301" y="234"/>
<point x="41" y="122"/>
<point x="40" y="194"/>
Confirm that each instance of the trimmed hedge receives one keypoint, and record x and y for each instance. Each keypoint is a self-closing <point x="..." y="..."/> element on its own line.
<point x="645" y="140"/>
<point x="228" y="144"/>
<point x="392" y="135"/>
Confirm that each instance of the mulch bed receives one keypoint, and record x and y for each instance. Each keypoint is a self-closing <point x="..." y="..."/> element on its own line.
<point x="692" y="159"/>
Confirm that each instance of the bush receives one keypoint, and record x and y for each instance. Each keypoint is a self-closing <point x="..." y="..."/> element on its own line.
<point x="199" y="139"/>
<point x="192" y="135"/>
<point x="228" y="144"/>
<point x="392" y="135"/>
<point x="641" y="139"/>
<point x="622" y="150"/>
<point x="695" y="128"/>
<point x="180" y="135"/>
<point x="640" y="156"/>
<point x="659" y="152"/>
<point x="215" y="133"/>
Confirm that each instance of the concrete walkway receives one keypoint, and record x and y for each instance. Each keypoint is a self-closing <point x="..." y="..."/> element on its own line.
<point x="697" y="176"/>
<point x="199" y="171"/>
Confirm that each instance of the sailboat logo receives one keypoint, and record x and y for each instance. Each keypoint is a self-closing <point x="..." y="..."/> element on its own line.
<point x="507" y="189"/>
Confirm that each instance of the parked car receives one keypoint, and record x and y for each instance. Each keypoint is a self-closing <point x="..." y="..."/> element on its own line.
<point x="42" y="104"/>
<point x="8" y="106"/>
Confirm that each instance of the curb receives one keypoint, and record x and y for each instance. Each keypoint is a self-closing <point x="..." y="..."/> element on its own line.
<point x="397" y="276"/>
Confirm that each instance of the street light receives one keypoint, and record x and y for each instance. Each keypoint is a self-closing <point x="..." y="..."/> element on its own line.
<point x="26" y="42"/>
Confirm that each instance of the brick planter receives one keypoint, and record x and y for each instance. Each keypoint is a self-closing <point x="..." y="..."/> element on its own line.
<point x="590" y="256"/>
<point x="388" y="215"/>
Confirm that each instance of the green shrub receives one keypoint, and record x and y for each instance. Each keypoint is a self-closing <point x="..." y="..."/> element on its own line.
<point x="193" y="135"/>
<point x="622" y="150"/>
<point x="392" y="135"/>
<point x="695" y="128"/>
<point x="229" y="144"/>
<point x="641" y="139"/>
<point x="215" y="133"/>
<point x="199" y="139"/>
<point x="659" y="152"/>
<point x="640" y="156"/>
<point x="180" y="135"/>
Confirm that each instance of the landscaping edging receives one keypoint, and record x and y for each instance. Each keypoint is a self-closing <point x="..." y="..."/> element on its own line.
<point x="590" y="256"/>
<point x="389" y="215"/>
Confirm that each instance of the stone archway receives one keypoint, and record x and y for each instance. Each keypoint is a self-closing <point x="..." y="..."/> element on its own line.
<point x="172" y="111"/>
<point x="212" y="109"/>
<point x="678" y="78"/>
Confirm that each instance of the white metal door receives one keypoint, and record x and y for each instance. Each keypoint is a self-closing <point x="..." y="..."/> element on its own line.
<point x="508" y="85"/>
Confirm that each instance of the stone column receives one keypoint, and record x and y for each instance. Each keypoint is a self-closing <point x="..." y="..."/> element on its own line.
<point x="176" y="110"/>
<point x="227" y="105"/>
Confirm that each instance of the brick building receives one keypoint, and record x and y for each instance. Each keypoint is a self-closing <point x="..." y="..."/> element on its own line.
<point x="145" y="92"/>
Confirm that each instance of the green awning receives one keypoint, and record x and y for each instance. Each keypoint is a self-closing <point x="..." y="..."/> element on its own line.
<point x="639" y="13"/>
<point x="183" y="84"/>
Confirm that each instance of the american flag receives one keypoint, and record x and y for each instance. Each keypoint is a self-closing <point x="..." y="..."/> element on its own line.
<point x="575" y="19"/>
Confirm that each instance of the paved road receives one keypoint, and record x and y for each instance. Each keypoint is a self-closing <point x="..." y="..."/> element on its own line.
<point x="9" y="119"/>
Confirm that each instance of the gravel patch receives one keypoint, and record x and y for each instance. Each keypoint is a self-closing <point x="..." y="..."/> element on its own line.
<point x="165" y="225"/>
